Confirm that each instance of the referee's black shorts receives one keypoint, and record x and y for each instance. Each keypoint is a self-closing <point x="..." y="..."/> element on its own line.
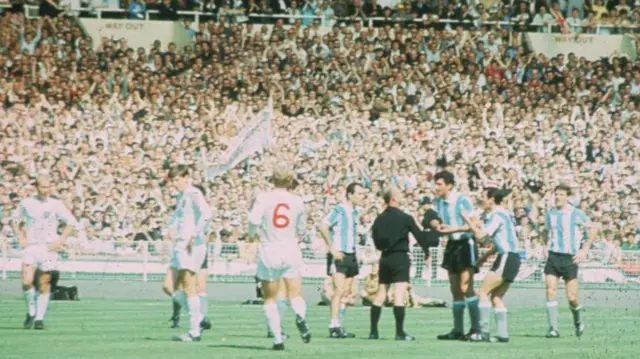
<point x="394" y="268"/>
<point x="205" y="262"/>
<point x="459" y="255"/>
<point x="347" y="266"/>
<point x="561" y="265"/>
<point x="507" y="265"/>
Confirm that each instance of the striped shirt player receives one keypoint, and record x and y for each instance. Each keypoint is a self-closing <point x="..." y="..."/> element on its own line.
<point x="565" y="231"/>
<point x="502" y="230"/>
<point x="461" y="252"/>
<point x="190" y="221"/>
<point x="342" y="222"/>
<point x="279" y="219"/>
<point x="41" y="218"/>
<point x="565" y="227"/>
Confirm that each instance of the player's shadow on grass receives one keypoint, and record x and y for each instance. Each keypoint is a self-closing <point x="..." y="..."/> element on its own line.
<point x="13" y="328"/>
<point x="237" y="346"/>
<point x="529" y="335"/>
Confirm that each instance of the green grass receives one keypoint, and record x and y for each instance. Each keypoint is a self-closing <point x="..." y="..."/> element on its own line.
<point x="97" y="328"/>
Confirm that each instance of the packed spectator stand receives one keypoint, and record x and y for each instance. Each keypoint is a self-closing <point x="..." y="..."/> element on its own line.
<point x="387" y="95"/>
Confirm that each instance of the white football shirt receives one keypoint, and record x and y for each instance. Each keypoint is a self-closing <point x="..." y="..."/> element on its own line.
<point x="42" y="217"/>
<point x="279" y="216"/>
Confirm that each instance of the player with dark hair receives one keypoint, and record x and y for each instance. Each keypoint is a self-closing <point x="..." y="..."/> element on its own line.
<point x="189" y="224"/>
<point x="460" y="255"/>
<point x="340" y="233"/>
<point x="170" y="286"/>
<point x="390" y="232"/>
<point x="564" y="227"/>
<point x="500" y="231"/>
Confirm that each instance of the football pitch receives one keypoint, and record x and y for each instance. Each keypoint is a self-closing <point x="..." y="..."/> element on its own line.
<point x="132" y="326"/>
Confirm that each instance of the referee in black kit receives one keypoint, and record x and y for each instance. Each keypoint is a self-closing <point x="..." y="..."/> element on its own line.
<point x="390" y="234"/>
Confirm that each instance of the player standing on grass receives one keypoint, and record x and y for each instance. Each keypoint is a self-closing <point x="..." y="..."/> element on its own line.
<point x="192" y="216"/>
<point x="500" y="230"/>
<point x="340" y="234"/>
<point x="277" y="217"/>
<point x="460" y="255"/>
<point x="36" y="227"/>
<point x="170" y="285"/>
<point x="564" y="228"/>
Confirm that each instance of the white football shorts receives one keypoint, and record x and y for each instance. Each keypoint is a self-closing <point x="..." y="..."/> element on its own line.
<point x="183" y="260"/>
<point x="40" y="256"/>
<point x="279" y="262"/>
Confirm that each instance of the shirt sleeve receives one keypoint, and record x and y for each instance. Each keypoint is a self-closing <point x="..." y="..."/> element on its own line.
<point x="301" y="221"/>
<point x="200" y="204"/>
<point x="332" y="218"/>
<point x="581" y="218"/>
<point x="547" y="221"/>
<point x="20" y="215"/>
<point x="255" y="216"/>
<point x="465" y="204"/>
<point x="65" y="216"/>
<point x="493" y="225"/>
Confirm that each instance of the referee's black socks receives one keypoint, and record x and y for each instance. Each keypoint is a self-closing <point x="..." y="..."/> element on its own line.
<point x="375" y="318"/>
<point x="398" y="313"/>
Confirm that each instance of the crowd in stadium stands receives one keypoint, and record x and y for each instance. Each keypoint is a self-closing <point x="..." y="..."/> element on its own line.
<point x="378" y="105"/>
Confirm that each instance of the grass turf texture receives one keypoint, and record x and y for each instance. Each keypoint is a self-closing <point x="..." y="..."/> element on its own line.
<point x="137" y="328"/>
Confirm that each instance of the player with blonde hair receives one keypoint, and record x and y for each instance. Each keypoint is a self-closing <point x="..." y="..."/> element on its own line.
<point x="278" y="219"/>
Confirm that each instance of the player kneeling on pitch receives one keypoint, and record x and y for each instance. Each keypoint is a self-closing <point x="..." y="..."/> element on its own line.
<point x="191" y="219"/>
<point x="500" y="230"/>
<point x="277" y="217"/>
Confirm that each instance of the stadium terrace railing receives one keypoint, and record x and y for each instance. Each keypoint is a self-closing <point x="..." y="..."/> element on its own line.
<point x="234" y="262"/>
<point x="31" y="11"/>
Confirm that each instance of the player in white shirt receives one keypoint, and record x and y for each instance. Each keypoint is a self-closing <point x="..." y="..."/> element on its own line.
<point x="277" y="217"/>
<point x="36" y="224"/>
<point x="171" y="285"/>
<point x="189" y="225"/>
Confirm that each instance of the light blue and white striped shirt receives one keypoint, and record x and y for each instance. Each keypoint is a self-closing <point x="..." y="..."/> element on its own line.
<point x="191" y="217"/>
<point x="565" y="228"/>
<point x="502" y="229"/>
<point x="343" y="228"/>
<point x="451" y="209"/>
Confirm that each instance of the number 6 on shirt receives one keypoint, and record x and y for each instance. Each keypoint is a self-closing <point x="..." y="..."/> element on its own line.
<point x="280" y="220"/>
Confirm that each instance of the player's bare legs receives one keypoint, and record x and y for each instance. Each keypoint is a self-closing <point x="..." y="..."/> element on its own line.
<point x="201" y="287"/>
<point x="341" y="288"/>
<point x="551" y="282"/>
<point x="42" y="301"/>
<point x="188" y="282"/>
<point x="28" y="275"/>
<point x="299" y="306"/>
<point x="178" y="298"/>
<point x="574" y="304"/>
<point x="491" y="290"/>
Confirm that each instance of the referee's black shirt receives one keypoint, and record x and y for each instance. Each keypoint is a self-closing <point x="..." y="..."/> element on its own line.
<point x="391" y="230"/>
